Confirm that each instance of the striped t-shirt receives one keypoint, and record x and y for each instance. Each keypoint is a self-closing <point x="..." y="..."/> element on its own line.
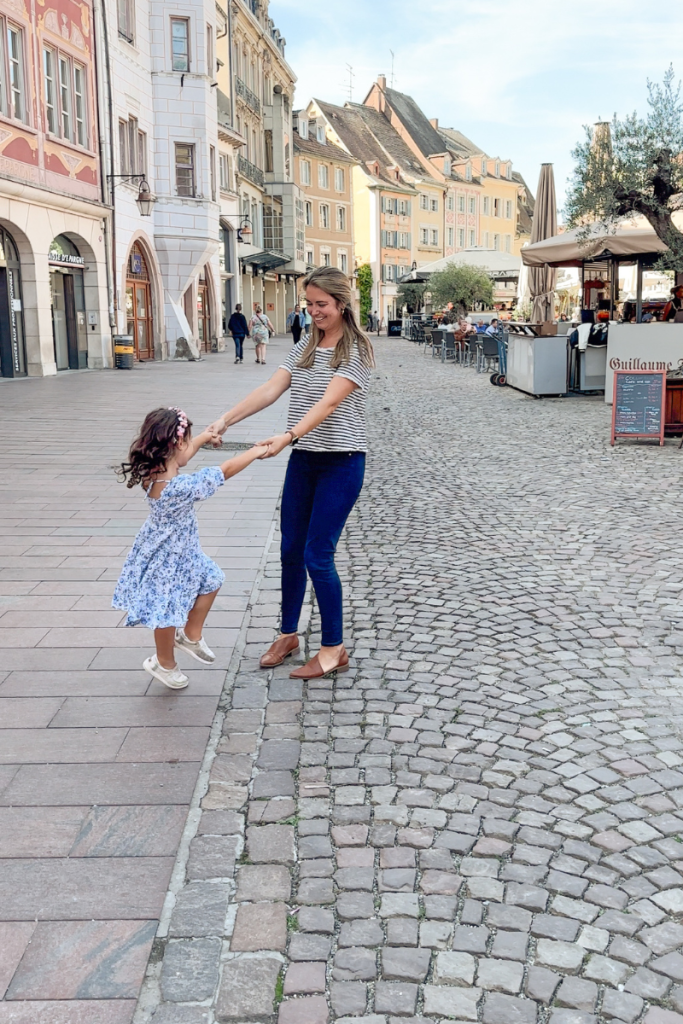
<point x="344" y="429"/>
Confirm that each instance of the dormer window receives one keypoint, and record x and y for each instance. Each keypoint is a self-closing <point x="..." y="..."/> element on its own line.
<point x="497" y="169"/>
<point x="508" y="171"/>
<point x="483" y="165"/>
<point x="320" y="134"/>
<point x="303" y="127"/>
<point x="468" y="172"/>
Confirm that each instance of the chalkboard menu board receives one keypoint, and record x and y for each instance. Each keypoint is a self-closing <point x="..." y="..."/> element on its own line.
<point x="638" y="408"/>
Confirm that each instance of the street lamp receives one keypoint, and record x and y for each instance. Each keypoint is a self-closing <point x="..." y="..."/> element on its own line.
<point x="144" y="198"/>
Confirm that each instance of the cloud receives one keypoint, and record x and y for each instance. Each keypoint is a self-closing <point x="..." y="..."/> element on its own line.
<point x="520" y="77"/>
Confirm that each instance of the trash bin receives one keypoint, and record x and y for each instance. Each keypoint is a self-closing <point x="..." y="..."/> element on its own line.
<point x="124" y="351"/>
<point x="394" y="328"/>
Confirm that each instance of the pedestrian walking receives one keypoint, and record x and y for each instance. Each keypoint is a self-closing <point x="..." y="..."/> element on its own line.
<point x="328" y="378"/>
<point x="238" y="327"/>
<point x="167" y="582"/>
<point x="296" y="323"/>
<point x="260" y="329"/>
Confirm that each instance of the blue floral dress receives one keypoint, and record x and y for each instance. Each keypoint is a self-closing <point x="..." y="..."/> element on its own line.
<point x="166" y="569"/>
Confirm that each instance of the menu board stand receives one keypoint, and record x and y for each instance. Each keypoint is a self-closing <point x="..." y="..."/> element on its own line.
<point x="638" y="406"/>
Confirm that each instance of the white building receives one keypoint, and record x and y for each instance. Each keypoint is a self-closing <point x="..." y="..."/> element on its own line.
<point x="159" y="120"/>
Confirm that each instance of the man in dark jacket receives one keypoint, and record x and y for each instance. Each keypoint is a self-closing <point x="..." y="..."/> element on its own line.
<point x="237" y="325"/>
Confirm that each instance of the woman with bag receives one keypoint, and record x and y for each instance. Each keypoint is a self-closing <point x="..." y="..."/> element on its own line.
<point x="261" y="330"/>
<point x="327" y="377"/>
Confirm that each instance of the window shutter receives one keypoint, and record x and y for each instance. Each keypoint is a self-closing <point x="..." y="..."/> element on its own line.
<point x="408" y="207"/>
<point x="384" y="205"/>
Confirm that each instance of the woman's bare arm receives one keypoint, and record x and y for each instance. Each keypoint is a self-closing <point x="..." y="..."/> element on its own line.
<point x="259" y="399"/>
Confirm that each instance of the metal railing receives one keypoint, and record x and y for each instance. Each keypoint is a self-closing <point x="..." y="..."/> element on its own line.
<point x="249" y="97"/>
<point x="249" y="170"/>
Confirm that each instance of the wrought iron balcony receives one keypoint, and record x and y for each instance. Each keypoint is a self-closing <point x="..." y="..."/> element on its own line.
<point x="249" y="170"/>
<point x="245" y="93"/>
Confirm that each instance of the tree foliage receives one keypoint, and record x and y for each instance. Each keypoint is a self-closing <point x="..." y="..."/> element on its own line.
<point x="462" y="285"/>
<point x="411" y="294"/>
<point x="364" y="278"/>
<point x="635" y="167"/>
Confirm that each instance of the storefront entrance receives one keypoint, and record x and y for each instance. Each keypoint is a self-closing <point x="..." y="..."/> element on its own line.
<point x="204" y="314"/>
<point x="139" y="305"/>
<point x="12" y="346"/>
<point x="68" y="305"/>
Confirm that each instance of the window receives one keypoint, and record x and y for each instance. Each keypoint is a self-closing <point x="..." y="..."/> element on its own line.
<point x="305" y="171"/>
<point x="224" y="171"/>
<point x="434" y="205"/>
<point x="50" y="93"/>
<point x="508" y="209"/>
<point x="212" y="172"/>
<point x="473" y="239"/>
<point x="324" y="215"/>
<point x="343" y="262"/>
<point x="424" y="236"/>
<point x="132" y="147"/>
<point x="404" y="239"/>
<point x="473" y="205"/>
<point x="496" y="242"/>
<point x="341" y="218"/>
<point x="308" y="210"/>
<point x="184" y="169"/>
<point x="388" y="272"/>
<point x="487" y="206"/>
<point x="320" y="136"/>
<point x="483" y="165"/>
<point x="449" y="236"/>
<point x="449" y="203"/>
<point x="461" y="238"/>
<point x="325" y="258"/>
<point x="468" y="172"/>
<point x="210" y="66"/>
<point x="126" y="19"/>
<point x="268" y="148"/>
<point x="434" y="237"/>
<point x="309" y="257"/>
<point x="508" y="171"/>
<point x="497" y="169"/>
<point x="180" y="44"/>
<point x="461" y="204"/>
<point x="339" y="182"/>
<point x="79" y="105"/>
<point x="497" y="207"/>
<point x="14" y="103"/>
<point x="323" y="176"/>
<point x="508" y="243"/>
<point x="424" y="202"/>
<point x="404" y="207"/>
<point x="303" y="126"/>
<point x="65" y="96"/>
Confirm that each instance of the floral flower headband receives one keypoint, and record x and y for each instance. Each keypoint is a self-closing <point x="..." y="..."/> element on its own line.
<point x="182" y="421"/>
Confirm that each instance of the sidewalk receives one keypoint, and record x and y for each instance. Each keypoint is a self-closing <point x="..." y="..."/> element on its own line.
<point x="98" y="763"/>
<point x="483" y="820"/>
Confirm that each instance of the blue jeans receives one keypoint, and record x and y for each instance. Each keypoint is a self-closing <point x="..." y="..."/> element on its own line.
<point x="320" y="490"/>
<point x="239" y="342"/>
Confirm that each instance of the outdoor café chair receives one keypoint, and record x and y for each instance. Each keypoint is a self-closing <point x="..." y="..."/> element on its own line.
<point x="487" y="354"/>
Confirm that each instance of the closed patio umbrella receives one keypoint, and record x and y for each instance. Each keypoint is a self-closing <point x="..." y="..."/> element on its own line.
<point x="542" y="279"/>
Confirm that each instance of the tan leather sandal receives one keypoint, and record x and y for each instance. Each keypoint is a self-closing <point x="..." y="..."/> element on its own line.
<point x="314" y="670"/>
<point x="278" y="651"/>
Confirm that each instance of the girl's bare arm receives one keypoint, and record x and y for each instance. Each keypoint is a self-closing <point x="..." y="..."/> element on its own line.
<point x="234" y="466"/>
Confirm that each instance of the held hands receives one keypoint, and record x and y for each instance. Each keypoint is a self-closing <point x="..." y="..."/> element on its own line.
<point x="274" y="445"/>
<point x="216" y="430"/>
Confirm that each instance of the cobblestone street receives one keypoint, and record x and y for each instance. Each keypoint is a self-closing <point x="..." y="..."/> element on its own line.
<point x="481" y="821"/>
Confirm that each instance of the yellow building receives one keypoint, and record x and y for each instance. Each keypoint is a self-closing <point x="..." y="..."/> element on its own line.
<point x="324" y="173"/>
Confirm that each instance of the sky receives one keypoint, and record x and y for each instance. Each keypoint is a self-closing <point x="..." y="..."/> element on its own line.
<point x="518" y="77"/>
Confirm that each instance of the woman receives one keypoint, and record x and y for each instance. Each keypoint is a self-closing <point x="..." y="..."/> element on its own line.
<point x="260" y="329"/>
<point x="328" y="377"/>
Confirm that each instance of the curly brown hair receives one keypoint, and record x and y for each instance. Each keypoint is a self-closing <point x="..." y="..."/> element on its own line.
<point x="153" y="446"/>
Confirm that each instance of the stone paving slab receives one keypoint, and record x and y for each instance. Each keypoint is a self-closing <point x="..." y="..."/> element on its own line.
<point x="98" y="763"/>
<point x="483" y="819"/>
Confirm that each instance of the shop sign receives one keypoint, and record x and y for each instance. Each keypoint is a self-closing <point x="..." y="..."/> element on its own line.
<point x="13" y="322"/>
<point x="65" y="258"/>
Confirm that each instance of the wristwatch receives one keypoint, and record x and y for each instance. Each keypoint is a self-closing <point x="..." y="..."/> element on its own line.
<point x="295" y="439"/>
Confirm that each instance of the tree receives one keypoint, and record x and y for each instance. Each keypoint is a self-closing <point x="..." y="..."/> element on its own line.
<point x="411" y="294"/>
<point x="364" y="277"/>
<point x="633" y="166"/>
<point x="462" y="285"/>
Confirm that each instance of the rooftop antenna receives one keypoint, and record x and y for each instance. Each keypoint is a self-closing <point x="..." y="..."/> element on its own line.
<point x="350" y="85"/>
<point x="392" y="69"/>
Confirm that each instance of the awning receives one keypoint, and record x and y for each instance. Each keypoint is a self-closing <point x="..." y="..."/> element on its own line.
<point x="268" y="259"/>
<point x="414" y="277"/>
<point x="631" y="238"/>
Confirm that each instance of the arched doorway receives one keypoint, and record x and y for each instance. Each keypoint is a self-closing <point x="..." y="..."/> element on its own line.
<point x="204" y="312"/>
<point x="69" y="331"/>
<point x="12" y="343"/>
<point x="140" y="322"/>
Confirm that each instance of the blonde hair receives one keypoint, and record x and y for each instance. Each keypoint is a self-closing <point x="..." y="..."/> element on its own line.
<point x="336" y="285"/>
<point x="257" y="308"/>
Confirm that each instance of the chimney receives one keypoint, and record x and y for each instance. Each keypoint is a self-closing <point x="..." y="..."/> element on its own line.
<point x="382" y="82"/>
<point x="434" y="121"/>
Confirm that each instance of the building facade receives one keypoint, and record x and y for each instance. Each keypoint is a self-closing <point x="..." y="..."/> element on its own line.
<point x="53" y="221"/>
<point x="324" y="173"/>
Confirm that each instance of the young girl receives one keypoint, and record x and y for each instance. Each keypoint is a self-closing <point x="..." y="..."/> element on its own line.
<point x="167" y="582"/>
